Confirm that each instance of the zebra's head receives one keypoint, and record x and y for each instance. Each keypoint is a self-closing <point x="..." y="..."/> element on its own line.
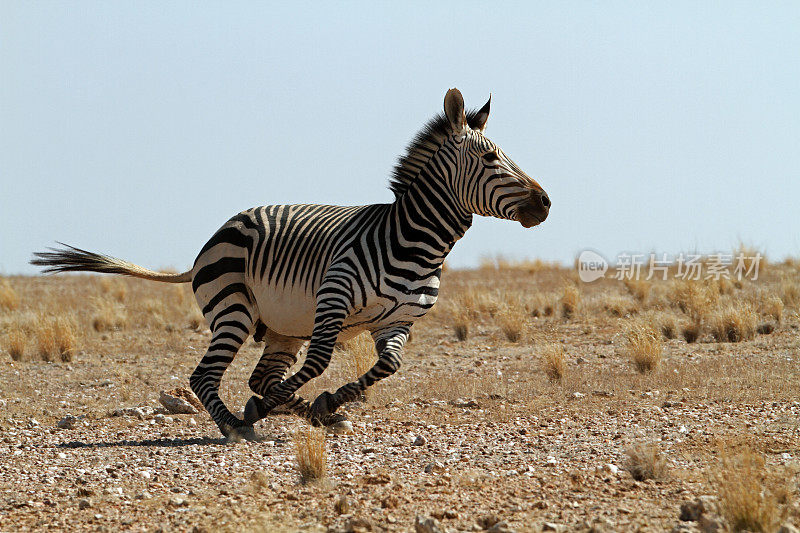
<point x="486" y="181"/>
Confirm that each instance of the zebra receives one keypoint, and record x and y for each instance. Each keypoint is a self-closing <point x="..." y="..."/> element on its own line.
<point x="288" y="274"/>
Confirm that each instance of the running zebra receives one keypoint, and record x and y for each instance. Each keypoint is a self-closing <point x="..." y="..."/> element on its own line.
<point x="288" y="274"/>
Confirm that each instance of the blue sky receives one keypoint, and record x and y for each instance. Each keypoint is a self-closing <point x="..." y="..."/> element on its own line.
<point x="137" y="129"/>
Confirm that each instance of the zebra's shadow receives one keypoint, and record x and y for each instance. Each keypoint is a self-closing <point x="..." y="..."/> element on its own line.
<point x="156" y="443"/>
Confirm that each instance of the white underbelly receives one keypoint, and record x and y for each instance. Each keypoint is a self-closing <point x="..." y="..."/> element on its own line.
<point x="286" y="310"/>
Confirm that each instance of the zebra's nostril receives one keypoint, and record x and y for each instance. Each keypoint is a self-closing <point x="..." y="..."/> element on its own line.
<point x="545" y="200"/>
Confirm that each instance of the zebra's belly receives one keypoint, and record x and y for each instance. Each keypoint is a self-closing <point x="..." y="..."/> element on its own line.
<point x="286" y="311"/>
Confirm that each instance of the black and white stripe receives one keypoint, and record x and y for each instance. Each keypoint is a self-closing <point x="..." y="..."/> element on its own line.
<point x="295" y="273"/>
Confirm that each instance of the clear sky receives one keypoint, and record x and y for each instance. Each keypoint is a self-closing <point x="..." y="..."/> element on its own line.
<point x="137" y="128"/>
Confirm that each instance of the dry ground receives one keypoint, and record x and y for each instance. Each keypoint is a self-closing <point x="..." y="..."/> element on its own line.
<point x="559" y="394"/>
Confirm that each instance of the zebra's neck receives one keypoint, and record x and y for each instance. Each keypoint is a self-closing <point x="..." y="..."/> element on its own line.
<point x="426" y="221"/>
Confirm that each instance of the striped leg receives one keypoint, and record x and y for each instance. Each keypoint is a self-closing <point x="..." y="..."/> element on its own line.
<point x="332" y="302"/>
<point x="389" y="343"/>
<point x="279" y="354"/>
<point x="230" y="328"/>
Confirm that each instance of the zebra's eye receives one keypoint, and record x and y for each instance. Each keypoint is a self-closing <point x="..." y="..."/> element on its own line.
<point x="491" y="157"/>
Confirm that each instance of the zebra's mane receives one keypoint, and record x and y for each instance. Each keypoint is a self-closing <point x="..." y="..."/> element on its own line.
<point x="425" y="143"/>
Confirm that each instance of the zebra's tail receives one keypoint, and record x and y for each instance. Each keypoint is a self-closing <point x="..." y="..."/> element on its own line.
<point x="71" y="259"/>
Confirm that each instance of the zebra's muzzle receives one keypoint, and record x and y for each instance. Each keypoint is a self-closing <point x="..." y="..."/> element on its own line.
<point x="533" y="210"/>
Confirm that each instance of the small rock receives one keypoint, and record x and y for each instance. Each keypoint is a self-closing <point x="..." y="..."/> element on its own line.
<point x="611" y="468"/>
<point x="450" y="514"/>
<point x="710" y="525"/>
<point x="420" y="441"/>
<point x="83" y="504"/>
<point x="176" y="405"/>
<point x="787" y="528"/>
<point x="487" y="521"/>
<point x="426" y="525"/>
<point x="577" y="395"/>
<point x="500" y="527"/>
<point x="68" y="422"/>
<point x="434" y="467"/>
<point x="62" y="455"/>
<point x="177" y="502"/>
<point x="551" y="526"/>
<point x="357" y="525"/>
<point x="551" y="461"/>
<point x="345" y="427"/>
<point x="691" y="511"/>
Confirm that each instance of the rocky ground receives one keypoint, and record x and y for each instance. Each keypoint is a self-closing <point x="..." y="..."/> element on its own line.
<point x="469" y="436"/>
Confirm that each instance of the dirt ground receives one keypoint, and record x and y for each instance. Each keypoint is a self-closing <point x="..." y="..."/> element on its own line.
<point x="470" y="435"/>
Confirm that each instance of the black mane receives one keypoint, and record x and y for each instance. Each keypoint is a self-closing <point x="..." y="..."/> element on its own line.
<point x="425" y="143"/>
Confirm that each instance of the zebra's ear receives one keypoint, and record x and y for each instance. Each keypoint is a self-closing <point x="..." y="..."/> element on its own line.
<point x="479" y="122"/>
<point x="454" y="110"/>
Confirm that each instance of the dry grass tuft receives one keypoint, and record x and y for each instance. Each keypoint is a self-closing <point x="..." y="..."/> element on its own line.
<point x="312" y="461"/>
<point x="570" y="299"/>
<point x="644" y="461"/>
<point x="56" y="339"/>
<point x="664" y="321"/>
<point x="620" y="306"/>
<point x="195" y="319"/>
<point x="772" y="306"/>
<point x="16" y="341"/>
<point x="9" y="301"/>
<point x="694" y="297"/>
<point x="361" y="354"/>
<point x="553" y="362"/>
<point x="733" y="322"/>
<point x="790" y="291"/>
<point x="513" y="322"/>
<point x="461" y="320"/>
<point x="108" y="315"/>
<point x="691" y="331"/>
<point x="639" y="288"/>
<point x="751" y="498"/>
<point x="114" y="287"/>
<point x="644" y="347"/>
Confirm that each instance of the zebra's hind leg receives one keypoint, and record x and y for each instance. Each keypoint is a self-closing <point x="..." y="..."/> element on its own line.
<point x="230" y="328"/>
<point x="389" y="343"/>
<point x="280" y="353"/>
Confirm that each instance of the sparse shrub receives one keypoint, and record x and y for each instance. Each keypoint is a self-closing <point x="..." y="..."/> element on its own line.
<point x="570" y="299"/>
<point x="693" y="297"/>
<point x="108" y="315"/>
<point x="553" y="361"/>
<point x="259" y="480"/>
<point x="691" y="331"/>
<point x="644" y="461"/>
<point x="461" y="321"/>
<point x="312" y="461"/>
<point x="9" y="300"/>
<point x="619" y="306"/>
<point x="56" y="338"/>
<point x="341" y="505"/>
<point x="790" y="291"/>
<point x="751" y="498"/>
<point x="639" y="288"/>
<point x="16" y="341"/>
<point x="540" y="304"/>
<point x="361" y="352"/>
<point x="733" y="322"/>
<point x="644" y="347"/>
<point x="195" y="319"/>
<point x="766" y="328"/>
<point x="513" y="322"/>
<point x="772" y="306"/>
<point x="114" y="287"/>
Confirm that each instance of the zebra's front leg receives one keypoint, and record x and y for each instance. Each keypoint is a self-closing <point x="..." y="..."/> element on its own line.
<point x="280" y="353"/>
<point x="328" y="320"/>
<point x="389" y="344"/>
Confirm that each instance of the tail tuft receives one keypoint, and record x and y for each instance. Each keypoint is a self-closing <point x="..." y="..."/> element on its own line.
<point x="71" y="259"/>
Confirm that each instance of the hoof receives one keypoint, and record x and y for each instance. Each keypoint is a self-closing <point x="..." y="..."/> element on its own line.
<point x="254" y="410"/>
<point x="322" y="407"/>
<point x="247" y="432"/>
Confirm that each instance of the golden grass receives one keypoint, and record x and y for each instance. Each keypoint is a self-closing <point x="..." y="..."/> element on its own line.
<point x="553" y="361"/>
<point x="108" y="315"/>
<point x="312" y="461"/>
<point x="733" y="322"/>
<point x="55" y="338"/>
<point x="114" y="287"/>
<point x="639" y="288"/>
<point x="461" y="320"/>
<point x="664" y="321"/>
<point x="620" y="306"/>
<point x="643" y="346"/>
<point x="570" y="300"/>
<point x="772" y="307"/>
<point x="644" y="461"/>
<point x="691" y="331"/>
<point x="9" y="301"/>
<point x="361" y="354"/>
<point x="789" y="289"/>
<point x="513" y="322"/>
<point x="694" y="297"/>
<point x="751" y="498"/>
<point x="16" y="340"/>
